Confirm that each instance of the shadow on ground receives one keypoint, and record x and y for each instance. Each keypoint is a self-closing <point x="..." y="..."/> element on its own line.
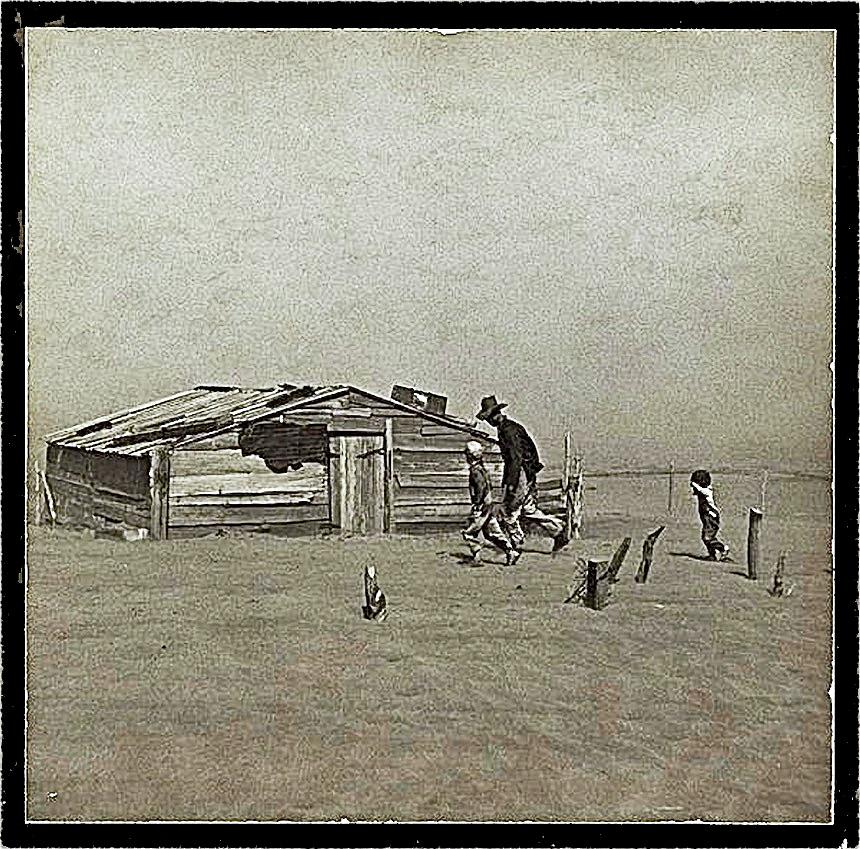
<point x="704" y="558"/>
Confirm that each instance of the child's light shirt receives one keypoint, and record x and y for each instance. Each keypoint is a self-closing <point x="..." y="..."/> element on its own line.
<point x="705" y="494"/>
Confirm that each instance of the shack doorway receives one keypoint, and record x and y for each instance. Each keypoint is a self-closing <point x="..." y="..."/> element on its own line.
<point x="357" y="483"/>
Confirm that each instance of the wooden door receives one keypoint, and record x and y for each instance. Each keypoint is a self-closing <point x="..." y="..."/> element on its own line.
<point x="357" y="484"/>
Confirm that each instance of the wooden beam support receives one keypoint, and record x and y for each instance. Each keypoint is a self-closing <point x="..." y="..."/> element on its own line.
<point x="388" y="477"/>
<point x="159" y="492"/>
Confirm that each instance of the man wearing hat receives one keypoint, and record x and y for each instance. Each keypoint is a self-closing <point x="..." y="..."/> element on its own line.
<point x="519" y="481"/>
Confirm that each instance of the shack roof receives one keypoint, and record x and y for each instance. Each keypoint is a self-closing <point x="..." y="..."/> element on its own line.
<point x="208" y="410"/>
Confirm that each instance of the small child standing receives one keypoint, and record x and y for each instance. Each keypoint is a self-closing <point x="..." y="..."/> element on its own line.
<point x="482" y="516"/>
<point x="700" y="483"/>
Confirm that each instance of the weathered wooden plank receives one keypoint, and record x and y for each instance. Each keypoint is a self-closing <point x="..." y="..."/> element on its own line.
<point x="411" y="498"/>
<point x="222" y="442"/>
<point x="93" y="489"/>
<point x="442" y="460"/>
<point x="246" y="515"/>
<point x="460" y="479"/>
<point x="343" y="424"/>
<point x="453" y="441"/>
<point x="341" y="420"/>
<point x="428" y="512"/>
<point x="439" y="445"/>
<point x="74" y="483"/>
<point x="230" y="462"/>
<point x="455" y="480"/>
<point x="114" y="512"/>
<point x="431" y="429"/>
<point x="278" y="529"/>
<point x="67" y="493"/>
<point x="238" y="484"/>
<point x="215" y="463"/>
<point x="249" y="499"/>
<point x="438" y="462"/>
<point x="305" y="417"/>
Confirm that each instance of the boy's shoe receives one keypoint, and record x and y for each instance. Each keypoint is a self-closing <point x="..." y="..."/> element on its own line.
<point x="513" y="557"/>
<point x="725" y="555"/>
<point x="560" y="541"/>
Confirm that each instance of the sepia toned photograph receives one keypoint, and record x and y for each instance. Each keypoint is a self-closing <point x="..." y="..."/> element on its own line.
<point x="429" y="426"/>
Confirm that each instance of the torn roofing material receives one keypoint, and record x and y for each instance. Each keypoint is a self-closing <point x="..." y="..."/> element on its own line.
<point x="207" y="411"/>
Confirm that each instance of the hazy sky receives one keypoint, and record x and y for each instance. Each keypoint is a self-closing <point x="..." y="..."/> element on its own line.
<point x="628" y="234"/>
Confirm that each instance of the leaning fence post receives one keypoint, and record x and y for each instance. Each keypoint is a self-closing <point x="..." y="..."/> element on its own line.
<point x="671" y="486"/>
<point x="641" y="575"/>
<point x="49" y="498"/>
<point x="618" y="559"/>
<point x="566" y="483"/>
<point x="753" y="540"/>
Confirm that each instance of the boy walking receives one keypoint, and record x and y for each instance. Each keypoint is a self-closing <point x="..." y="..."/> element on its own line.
<point x="700" y="483"/>
<point x="482" y="517"/>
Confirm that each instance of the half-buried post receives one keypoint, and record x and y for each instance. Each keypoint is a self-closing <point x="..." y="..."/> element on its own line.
<point x="753" y="539"/>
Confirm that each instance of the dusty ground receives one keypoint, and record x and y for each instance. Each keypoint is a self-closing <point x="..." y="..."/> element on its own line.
<point x="235" y="679"/>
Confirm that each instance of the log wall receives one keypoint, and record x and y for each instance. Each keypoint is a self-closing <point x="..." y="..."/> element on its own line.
<point x="98" y="490"/>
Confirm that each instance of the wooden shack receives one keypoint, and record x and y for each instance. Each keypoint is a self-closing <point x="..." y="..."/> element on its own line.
<point x="287" y="459"/>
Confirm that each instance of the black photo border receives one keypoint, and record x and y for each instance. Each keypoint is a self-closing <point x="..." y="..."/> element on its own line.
<point x="842" y="17"/>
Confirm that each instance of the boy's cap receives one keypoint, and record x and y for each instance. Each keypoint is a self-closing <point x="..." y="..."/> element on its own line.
<point x="701" y="477"/>
<point x="474" y="448"/>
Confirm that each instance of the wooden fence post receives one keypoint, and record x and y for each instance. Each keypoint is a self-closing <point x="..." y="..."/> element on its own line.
<point x="375" y="606"/>
<point x="671" y="486"/>
<point x="618" y="559"/>
<point x="591" y="585"/>
<point x="753" y="540"/>
<point x="159" y="488"/>
<point x="388" y="475"/>
<point x="647" y="555"/>
<point x="778" y="577"/>
<point x="576" y="497"/>
<point x="566" y="483"/>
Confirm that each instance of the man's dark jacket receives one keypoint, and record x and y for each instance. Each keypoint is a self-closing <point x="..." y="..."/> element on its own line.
<point x="518" y="452"/>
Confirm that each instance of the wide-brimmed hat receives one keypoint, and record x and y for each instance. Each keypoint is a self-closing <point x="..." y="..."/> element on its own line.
<point x="489" y="405"/>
